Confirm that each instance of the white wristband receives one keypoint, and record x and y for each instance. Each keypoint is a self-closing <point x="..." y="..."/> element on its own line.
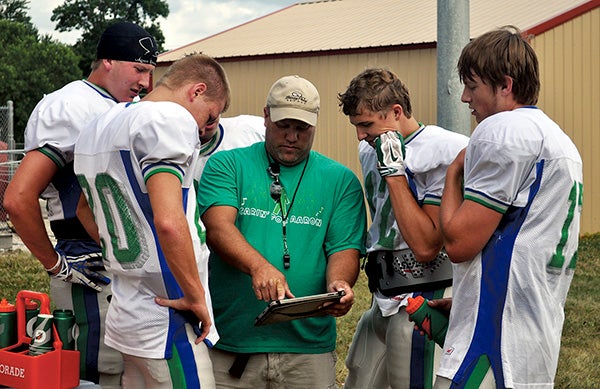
<point x="56" y="266"/>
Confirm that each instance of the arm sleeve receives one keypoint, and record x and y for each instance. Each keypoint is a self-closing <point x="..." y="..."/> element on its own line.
<point x="218" y="185"/>
<point x="347" y="228"/>
<point x="499" y="166"/>
<point x="166" y="142"/>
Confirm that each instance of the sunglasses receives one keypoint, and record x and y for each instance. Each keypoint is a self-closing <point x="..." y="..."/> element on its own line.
<point x="275" y="191"/>
<point x="276" y="187"/>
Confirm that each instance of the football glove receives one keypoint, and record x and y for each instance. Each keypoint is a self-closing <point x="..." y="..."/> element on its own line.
<point x="81" y="269"/>
<point x="390" y="154"/>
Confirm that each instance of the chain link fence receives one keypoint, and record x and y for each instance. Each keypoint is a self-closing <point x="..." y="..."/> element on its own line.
<point x="10" y="157"/>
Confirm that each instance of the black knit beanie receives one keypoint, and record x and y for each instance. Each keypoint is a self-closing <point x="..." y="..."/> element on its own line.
<point x="125" y="41"/>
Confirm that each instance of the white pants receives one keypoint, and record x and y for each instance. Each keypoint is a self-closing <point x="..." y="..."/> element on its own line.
<point x="488" y="382"/>
<point x="150" y="373"/>
<point x="387" y="352"/>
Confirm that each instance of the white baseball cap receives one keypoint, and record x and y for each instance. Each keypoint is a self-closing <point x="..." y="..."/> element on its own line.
<point x="293" y="97"/>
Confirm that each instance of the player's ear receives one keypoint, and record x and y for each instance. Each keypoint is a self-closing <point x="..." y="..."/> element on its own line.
<point x="197" y="90"/>
<point x="266" y="114"/>
<point x="507" y="85"/>
<point x="397" y="111"/>
<point x="106" y="63"/>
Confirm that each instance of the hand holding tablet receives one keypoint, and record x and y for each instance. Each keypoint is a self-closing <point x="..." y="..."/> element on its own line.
<point x="297" y="308"/>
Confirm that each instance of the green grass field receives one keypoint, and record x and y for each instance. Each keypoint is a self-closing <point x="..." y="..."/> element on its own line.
<point x="580" y="352"/>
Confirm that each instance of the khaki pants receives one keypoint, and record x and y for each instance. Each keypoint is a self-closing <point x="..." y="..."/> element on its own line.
<point x="276" y="370"/>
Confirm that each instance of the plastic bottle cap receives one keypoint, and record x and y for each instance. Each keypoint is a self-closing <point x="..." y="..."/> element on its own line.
<point x="414" y="303"/>
<point x="62" y="313"/>
<point x="5" y="306"/>
<point x="30" y="304"/>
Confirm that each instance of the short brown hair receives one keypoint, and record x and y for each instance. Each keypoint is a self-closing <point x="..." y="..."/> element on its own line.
<point x="499" y="53"/>
<point x="195" y="68"/>
<point x="375" y="89"/>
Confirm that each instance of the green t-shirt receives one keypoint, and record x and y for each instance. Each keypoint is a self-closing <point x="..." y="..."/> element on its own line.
<point x="327" y="216"/>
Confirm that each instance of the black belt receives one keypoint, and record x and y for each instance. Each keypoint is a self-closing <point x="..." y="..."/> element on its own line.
<point x="239" y="365"/>
<point x="398" y="272"/>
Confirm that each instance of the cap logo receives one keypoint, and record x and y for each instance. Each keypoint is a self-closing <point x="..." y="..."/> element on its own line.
<point x="293" y="97"/>
<point x="296" y="97"/>
<point x="126" y="41"/>
<point x="144" y="42"/>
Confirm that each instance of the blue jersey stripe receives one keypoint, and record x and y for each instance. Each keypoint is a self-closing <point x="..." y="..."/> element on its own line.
<point x="171" y="286"/>
<point x="183" y="349"/>
<point x="496" y="259"/>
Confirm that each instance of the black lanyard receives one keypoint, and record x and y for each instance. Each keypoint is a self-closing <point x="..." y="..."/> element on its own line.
<point x="275" y="190"/>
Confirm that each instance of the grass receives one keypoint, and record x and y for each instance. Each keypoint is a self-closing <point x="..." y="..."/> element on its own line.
<point x="20" y="270"/>
<point x="579" y="356"/>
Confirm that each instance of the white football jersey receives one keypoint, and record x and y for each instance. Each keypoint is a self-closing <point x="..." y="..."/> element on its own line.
<point x="233" y="132"/>
<point x="429" y="151"/>
<point x="53" y="128"/>
<point x="508" y="302"/>
<point x="115" y="156"/>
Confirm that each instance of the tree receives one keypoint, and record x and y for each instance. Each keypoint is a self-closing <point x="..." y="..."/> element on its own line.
<point x="93" y="16"/>
<point x="15" y="10"/>
<point x="31" y="66"/>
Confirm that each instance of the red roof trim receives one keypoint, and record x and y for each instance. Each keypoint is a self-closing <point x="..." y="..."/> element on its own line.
<point x="562" y="18"/>
<point x="533" y="31"/>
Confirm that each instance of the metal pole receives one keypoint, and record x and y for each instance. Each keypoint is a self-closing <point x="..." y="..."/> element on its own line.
<point x="452" y="36"/>
<point x="11" y="139"/>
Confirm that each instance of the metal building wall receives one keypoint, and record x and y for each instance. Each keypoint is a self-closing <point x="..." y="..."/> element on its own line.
<point x="251" y="80"/>
<point x="569" y="57"/>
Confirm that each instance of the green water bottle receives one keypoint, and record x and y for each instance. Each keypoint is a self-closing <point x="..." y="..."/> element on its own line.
<point x="41" y="342"/>
<point x="31" y="312"/>
<point x="8" y="324"/>
<point x="64" y="320"/>
<point x="430" y="320"/>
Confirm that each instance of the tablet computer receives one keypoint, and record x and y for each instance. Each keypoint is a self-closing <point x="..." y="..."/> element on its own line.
<point x="296" y="308"/>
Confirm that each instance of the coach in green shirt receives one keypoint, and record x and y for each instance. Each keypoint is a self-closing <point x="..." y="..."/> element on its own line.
<point x="281" y="221"/>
